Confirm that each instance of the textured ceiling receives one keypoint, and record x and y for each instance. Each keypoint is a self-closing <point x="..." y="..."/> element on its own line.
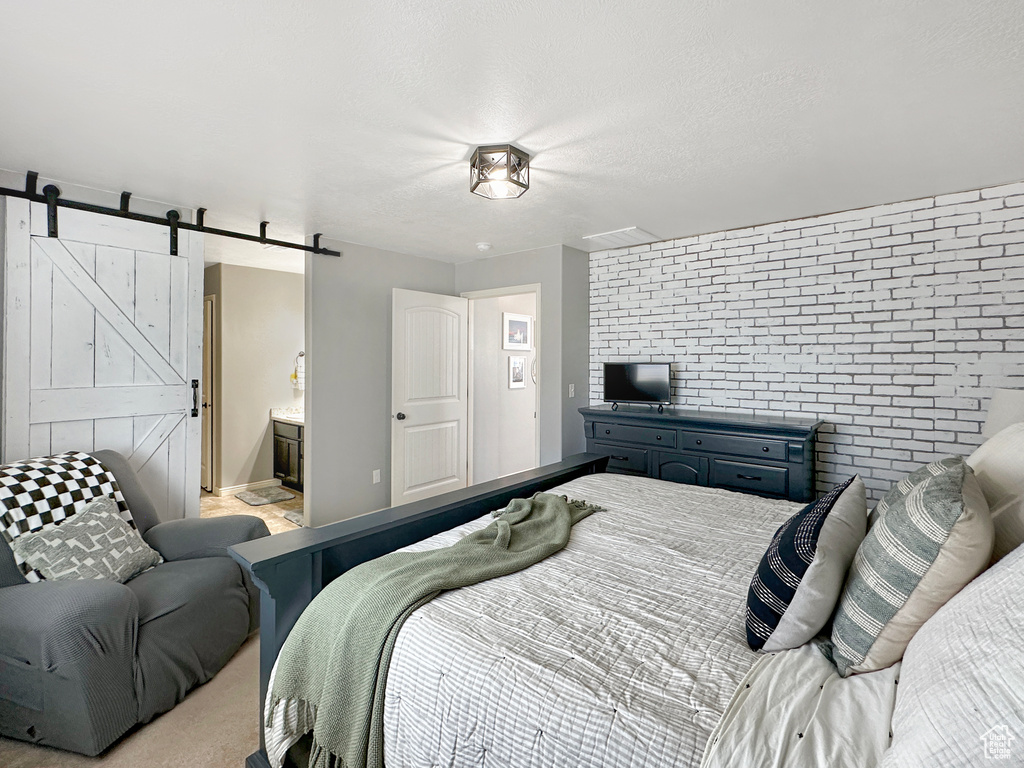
<point x="357" y="119"/>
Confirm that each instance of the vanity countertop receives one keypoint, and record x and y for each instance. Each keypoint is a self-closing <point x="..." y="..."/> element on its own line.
<point x="288" y="415"/>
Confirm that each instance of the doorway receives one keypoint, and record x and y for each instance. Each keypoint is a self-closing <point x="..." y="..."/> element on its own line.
<point x="252" y="388"/>
<point x="504" y="396"/>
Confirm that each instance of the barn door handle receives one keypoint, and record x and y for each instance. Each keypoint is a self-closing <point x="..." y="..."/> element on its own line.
<point x="195" y="398"/>
<point x="52" y="193"/>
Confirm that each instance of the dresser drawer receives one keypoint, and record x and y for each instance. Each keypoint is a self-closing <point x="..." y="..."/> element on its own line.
<point x="645" y="435"/>
<point x="623" y="459"/>
<point x="775" y="450"/>
<point x="679" y="468"/>
<point x="749" y="477"/>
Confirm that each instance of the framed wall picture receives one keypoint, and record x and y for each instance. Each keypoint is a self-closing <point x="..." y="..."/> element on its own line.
<point x="516" y="372"/>
<point x="517" y="331"/>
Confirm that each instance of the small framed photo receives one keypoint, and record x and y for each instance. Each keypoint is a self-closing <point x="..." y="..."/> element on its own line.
<point x="516" y="372"/>
<point x="517" y="331"/>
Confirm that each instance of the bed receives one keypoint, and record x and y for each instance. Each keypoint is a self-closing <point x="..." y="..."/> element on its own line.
<point x="571" y="661"/>
<point x="631" y="665"/>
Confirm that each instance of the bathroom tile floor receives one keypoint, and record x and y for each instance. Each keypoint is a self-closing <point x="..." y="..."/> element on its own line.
<point x="272" y="514"/>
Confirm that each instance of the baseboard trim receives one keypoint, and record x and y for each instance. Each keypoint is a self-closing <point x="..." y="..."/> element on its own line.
<point x="231" y="490"/>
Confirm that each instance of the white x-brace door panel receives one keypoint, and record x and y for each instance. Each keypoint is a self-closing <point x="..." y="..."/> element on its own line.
<point x="102" y="339"/>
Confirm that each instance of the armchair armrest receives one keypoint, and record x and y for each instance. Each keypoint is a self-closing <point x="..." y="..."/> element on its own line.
<point x="193" y="537"/>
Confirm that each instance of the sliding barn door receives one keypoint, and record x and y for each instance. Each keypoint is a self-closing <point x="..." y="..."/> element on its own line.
<point x="102" y="340"/>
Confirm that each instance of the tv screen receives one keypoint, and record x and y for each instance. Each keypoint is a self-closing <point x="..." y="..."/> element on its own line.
<point x="637" y="383"/>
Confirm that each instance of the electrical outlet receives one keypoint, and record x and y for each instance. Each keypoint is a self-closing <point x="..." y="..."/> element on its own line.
<point x="376" y="476"/>
<point x="572" y="390"/>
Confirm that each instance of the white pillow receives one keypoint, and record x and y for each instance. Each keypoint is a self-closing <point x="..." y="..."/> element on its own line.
<point x="959" y="696"/>
<point x="999" y="466"/>
<point x="798" y="581"/>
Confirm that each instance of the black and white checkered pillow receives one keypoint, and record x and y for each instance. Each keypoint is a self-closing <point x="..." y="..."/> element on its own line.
<point x="41" y="493"/>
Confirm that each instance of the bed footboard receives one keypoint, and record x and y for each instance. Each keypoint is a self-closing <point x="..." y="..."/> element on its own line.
<point x="291" y="568"/>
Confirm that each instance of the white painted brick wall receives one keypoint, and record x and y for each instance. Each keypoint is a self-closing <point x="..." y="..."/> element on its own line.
<point x="892" y="323"/>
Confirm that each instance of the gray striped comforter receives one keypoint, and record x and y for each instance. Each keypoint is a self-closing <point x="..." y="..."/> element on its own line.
<point x="622" y="650"/>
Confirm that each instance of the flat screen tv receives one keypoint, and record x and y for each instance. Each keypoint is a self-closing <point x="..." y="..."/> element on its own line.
<point x="637" y="383"/>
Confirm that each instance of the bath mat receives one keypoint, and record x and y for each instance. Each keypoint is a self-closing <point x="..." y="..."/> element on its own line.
<point x="270" y="495"/>
<point x="294" y="516"/>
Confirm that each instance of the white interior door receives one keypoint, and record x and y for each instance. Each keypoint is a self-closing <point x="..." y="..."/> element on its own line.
<point x="429" y="394"/>
<point x="102" y="339"/>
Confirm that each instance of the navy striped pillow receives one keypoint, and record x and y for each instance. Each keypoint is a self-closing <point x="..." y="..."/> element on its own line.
<point x="785" y="564"/>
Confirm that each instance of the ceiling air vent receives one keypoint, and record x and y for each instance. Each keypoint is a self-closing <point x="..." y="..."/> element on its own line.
<point x="620" y="238"/>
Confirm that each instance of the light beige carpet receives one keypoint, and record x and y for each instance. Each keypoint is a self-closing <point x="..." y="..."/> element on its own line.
<point x="216" y="725"/>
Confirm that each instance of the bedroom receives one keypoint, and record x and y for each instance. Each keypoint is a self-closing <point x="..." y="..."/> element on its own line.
<point x="701" y="126"/>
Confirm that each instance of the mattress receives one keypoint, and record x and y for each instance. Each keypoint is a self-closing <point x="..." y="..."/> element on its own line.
<point x="624" y="649"/>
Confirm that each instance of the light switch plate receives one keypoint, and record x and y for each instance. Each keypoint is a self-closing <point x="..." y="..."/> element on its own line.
<point x="376" y="476"/>
<point x="572" y="390"/>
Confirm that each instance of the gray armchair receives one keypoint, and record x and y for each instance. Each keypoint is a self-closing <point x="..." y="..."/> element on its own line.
<point x="81" y="662"/>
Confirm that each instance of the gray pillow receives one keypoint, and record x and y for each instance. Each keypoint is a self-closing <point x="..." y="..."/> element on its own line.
<point x="94" y="544"/>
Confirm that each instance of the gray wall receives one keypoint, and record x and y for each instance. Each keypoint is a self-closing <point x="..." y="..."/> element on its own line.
<point x="260" y="330"/>
<point x="575" y="311"/>
<point x="348" y="374"/>
<point x="348" y="368"/>
<point x="503" y="441"/>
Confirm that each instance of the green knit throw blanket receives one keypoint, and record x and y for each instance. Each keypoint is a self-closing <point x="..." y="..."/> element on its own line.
<point x="336" y="657"/>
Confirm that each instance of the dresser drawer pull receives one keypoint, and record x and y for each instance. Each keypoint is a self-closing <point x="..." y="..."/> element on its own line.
<point x="748" y="477"/>
<point x="659" y="437"/>
<point x="619" y="458"/>
<point x="607" y="431"/>
<point x="765" y="449"/>
<point x="700" y="442"/>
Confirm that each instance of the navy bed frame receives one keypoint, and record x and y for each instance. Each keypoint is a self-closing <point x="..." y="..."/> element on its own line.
<point x="291" y="568"/>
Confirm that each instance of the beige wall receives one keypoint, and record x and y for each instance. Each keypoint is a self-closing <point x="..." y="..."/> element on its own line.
<point x="260" y="330"/>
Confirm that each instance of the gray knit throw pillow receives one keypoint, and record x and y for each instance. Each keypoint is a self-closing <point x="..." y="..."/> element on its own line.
<point x="94" y="544"/>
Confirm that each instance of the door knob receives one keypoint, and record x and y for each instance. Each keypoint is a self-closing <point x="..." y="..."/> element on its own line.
<point x="400" y="416"/>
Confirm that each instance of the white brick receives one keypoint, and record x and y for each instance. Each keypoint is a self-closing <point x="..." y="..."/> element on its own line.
<point x="893" y="322"/>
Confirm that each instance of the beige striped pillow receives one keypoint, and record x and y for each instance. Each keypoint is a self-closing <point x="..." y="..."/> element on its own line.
<point x="934" y="537"/>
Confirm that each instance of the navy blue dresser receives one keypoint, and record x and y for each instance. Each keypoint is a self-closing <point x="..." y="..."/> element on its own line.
<point x="770" y="456"/>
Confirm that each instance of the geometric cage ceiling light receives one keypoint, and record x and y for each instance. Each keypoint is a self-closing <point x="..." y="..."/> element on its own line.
<point x="499" y="172"/>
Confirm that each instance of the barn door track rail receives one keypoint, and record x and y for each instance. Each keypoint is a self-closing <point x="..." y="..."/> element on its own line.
<point x="51" y="197"/>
